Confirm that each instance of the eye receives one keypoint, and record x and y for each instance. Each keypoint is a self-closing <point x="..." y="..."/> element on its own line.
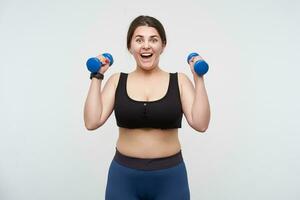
<point x="139" y="40"/>
<point x="154" y="40"/>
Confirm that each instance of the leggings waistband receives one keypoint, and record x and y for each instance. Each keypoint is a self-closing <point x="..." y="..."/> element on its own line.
<point x="148" y="163"/>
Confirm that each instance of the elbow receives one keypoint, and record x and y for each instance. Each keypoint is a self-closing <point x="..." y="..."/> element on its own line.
<point x="201" y="125"/>
<point x="91" y="127"/>
<point x="201" y="130"/>
<point x="91" y="124"/>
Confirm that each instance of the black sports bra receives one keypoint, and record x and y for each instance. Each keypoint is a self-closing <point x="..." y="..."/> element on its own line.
<point x="164" y="113"/>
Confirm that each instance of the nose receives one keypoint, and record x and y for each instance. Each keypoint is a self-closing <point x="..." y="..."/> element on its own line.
<point x="146" y="45"/>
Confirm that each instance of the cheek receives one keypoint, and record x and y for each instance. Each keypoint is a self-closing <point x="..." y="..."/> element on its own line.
<point x="157" y="46"/>
<point x="158" y="49"/>
<point x="135" y="48"/>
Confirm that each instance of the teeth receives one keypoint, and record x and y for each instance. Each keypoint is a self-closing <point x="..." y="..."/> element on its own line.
<point x="146" y="54"/>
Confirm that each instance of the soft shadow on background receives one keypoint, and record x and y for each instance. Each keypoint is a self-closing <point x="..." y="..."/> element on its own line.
<point x="251" y="148"/>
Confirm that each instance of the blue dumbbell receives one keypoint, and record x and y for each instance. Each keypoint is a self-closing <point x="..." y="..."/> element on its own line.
<point x="94" y="64"/>
<point x="200" y="66"/>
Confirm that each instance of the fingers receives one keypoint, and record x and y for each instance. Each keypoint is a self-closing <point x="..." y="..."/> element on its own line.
<point x="103" y="59"/>
<point x="196" y="58"/>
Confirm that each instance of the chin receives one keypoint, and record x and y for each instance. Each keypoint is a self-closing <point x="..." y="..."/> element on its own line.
<point x="148" y="68"/>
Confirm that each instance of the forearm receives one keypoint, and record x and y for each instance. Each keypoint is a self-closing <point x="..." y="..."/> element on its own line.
<point x="93" y="104"/>
<point x="200" y="107"/>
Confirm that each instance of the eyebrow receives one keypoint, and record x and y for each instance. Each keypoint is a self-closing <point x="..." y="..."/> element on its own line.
<point x="152" y="36"/>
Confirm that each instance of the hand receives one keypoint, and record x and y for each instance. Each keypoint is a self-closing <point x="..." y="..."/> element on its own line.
<point x="104" y="67"/>
<point x="193" y="61"/>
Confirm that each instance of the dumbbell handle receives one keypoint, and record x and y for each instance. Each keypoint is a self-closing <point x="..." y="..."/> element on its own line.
<point x="200" y="66"/>
<point x="94" y="64"/>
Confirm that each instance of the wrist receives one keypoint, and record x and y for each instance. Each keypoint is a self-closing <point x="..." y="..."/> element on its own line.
<point x="197" y="77"/>
<point x="97" y="75"/>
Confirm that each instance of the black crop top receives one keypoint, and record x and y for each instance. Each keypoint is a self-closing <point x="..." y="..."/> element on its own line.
<point x="163" y="113"/>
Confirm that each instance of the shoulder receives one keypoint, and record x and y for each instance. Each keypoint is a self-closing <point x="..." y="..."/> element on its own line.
<point x="114" y="78"/>
<point x="183" y="78"/>
<point x="183" y="81"/>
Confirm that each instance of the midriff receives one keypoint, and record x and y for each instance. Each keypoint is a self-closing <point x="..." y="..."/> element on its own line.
<point x="148" y="142"/>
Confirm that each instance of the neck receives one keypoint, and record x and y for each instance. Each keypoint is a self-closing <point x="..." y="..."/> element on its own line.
<point x="140" y="71"/>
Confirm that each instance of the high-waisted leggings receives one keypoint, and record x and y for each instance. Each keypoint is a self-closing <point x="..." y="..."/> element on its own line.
<point x="131" y="178"/>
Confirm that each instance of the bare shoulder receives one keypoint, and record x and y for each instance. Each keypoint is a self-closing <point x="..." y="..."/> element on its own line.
<point x="184" y="82"/>
<point x="114" y="78"/>
<point x="183" y="79"/>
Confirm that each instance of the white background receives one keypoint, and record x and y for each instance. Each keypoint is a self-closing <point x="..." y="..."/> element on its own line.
<point x="251" y="148"/>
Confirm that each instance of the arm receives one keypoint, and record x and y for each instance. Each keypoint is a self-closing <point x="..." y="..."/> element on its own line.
<point x="99" y="104"/>
<point x="195" y="102"/>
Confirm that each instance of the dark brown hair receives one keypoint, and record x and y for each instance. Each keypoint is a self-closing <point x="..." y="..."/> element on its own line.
<point x="144" y="20"/>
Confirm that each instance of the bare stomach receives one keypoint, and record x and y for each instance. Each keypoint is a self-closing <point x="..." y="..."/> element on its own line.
<point x="148" y="143"/>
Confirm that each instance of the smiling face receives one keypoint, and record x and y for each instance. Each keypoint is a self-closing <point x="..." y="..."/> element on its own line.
<point x="146" y="47"/>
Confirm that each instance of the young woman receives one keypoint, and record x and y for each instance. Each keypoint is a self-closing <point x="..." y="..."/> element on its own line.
<point x="148" y="103"/>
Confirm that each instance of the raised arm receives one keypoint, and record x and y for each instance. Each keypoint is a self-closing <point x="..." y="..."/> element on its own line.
<point x="195" y="102"/>
<point x="99" y="104"/>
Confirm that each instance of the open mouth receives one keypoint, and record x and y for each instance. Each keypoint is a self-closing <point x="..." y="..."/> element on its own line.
<point x="146" y="55"/>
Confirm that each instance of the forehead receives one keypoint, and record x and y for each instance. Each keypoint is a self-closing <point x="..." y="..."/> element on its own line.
<point x="145" y="31"/>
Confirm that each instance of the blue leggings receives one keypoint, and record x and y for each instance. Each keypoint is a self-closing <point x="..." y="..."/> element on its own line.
<point x="126" y="183"/>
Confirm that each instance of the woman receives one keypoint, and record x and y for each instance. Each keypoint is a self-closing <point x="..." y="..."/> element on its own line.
<point x="148" y="104"/>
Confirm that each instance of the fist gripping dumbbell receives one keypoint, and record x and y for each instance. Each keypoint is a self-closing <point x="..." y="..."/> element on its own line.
<point x="200" y="66"/>
<point x="94" y="64"/>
